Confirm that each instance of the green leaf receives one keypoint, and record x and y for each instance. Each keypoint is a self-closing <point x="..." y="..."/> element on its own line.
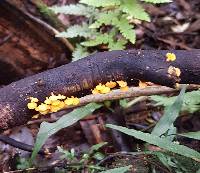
<point x="125" y="29"/>
<point x="170" y="134"/>
<point x="104" y="18"/>
<point x="23" y="163"/>
<point x="98" y="156"/>
<point x="101" y="3"/>
<point x="69" y="155"/>
<point x="79" y="52"/>
<point x="118" y="170"/>
<point x="99" y="39"/>
<point x="118" y="45"/>
<point x="191" y="102"/>
<point x="157" y="141"/>
<point x="123" y="103"/>
<point x="170" y="115"/>
<point x="157" y="1"/>
<point x="164" y="158"/>
<point x="72" y="9"/>
<point x="77" y="31"/>
<point x="48" y="129"/>
<point x="193" y="135"/>
<point x="134" y="9"/>
<point x="96" y="147"/>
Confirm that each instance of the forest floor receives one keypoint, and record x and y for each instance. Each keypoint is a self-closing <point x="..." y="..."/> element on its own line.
<point x="174" y="26"/>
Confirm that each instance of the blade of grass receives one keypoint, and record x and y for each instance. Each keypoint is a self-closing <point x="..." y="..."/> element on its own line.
<point x="157" y="141"/>
<point x="170" y="115"/>
<point x="118" y="170"/>
<point x="48" y="129"/>
<point x="96" y="147"/>
<point x="193" y="135"/>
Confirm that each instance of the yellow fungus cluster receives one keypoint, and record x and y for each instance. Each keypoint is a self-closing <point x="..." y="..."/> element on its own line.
<point x="33" y="103"/>
<point x="72" y="101"/>
<point x="123" y="85"/>
<point x="142" y="84"/>
<point x="170" y="57"/>
<point x="174" y="71"/>
<point x="111" y="84"/>
<point x="55" y="103"/>
<point x="52" y="103"/>
<point x="103" y="89"/>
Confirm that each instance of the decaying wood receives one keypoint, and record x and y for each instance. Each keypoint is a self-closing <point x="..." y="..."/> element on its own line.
<point x="27" y="44"/>
<point x="78" y="78"/>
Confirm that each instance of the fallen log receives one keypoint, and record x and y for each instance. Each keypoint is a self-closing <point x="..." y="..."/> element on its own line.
<point x="78" y="78"/>
<point x="27" y="44"/>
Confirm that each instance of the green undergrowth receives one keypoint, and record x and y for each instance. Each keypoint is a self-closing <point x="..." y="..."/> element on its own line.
<point x="108" y="24"/>
<point x="171" y="155"/>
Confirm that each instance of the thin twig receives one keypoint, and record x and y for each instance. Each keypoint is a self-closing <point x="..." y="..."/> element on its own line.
<point x="50" y="28"/>
<point x="53" y="30"/>
<point x="136" y="100"/>
<point x="132" y="92"/>
<point x="5" y="39"/>
<point x="22" y="170"/>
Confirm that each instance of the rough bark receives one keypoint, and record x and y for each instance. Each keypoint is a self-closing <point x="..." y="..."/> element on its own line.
<point x="27" y="44"/>
<point x="77" y="78"/>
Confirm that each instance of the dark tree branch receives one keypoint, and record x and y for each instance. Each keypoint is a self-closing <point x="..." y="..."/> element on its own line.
<point x="77" y="78"/>
<point x="18" y="144"/>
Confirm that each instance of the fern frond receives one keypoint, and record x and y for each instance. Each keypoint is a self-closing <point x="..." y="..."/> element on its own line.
<point x="101" y="3"/>
<point x="157" y="1"/>
<point x="79" y="52"/>
<point x="77" y="31"/>
<point x="134" y="9"/>
<point x="99" y="39"/>
<point x="118" y="45"/>
<point x="126" y="29"/>
<point x="104" y="18"/>
<point x="75" y="9"/>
